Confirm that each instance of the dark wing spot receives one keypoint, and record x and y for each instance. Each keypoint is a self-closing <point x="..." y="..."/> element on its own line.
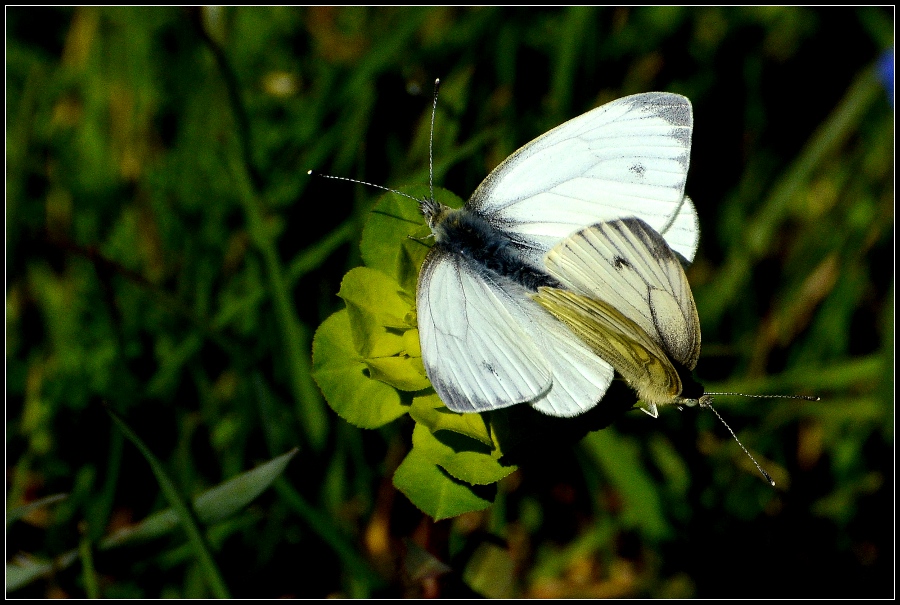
<point x="621" y="263"/>
<point x="638" y="170"/>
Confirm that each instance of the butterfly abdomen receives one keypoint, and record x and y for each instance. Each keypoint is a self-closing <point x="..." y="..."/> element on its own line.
<point x="487" y="247"/>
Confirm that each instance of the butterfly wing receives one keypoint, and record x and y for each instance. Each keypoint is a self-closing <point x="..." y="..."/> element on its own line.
<point x="475" y="346"/>
<point x="618" y="340"/>
<point x="629" y="267"/>
<point x="626" y="158"/>
<point x="682" y="233"/>
<point x="580" y="376"/>
<point x="486" y="345"/>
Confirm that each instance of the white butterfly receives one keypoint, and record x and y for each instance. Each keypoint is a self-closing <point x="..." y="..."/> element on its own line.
<point x="627" y="297"/>
<point x="486" y="344"/>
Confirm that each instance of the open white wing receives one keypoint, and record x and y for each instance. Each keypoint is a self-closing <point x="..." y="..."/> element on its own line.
<point x="486" y="345"/>
<point x="626" y="158"/>
<point x="629" y="266"/>
<point x="475" y="344"/>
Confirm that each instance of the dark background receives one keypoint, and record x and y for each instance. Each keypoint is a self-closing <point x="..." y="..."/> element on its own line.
<point x="168" y="256"/>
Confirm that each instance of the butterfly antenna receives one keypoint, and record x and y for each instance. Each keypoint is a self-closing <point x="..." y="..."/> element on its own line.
<point x="343" y="178"/>
<point x="706" y="402"/>
<point x="437" y="86"/>
<point x="803" y="397"/>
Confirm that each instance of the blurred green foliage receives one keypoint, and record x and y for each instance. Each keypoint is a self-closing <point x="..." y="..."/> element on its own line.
<point x="168" y="256"/>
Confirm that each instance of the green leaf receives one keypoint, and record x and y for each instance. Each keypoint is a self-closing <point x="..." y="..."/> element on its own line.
<point x="436" y="493"/>
<point x="396" y="239"/>
<point x="404" y="373"/>
<point x="384" y="337"/>
<point x="412" y="346"/>
<point x="431" y="411"/>
<point x="14" y="514"/>
<point x="463" y="458"/>
<point x="212" y="506"/>
<point x="23" y="571"/>
<point x="344" y="378"/>
<point x="379" y="312"/>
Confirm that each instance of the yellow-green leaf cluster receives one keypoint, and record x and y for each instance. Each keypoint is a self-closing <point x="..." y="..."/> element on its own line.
<point x="367" y="360"/>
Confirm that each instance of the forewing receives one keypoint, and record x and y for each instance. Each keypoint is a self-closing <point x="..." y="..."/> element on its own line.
<point x="628" y="158"/>
<point x="475" y="336"/>
<point x="629" y="266"/>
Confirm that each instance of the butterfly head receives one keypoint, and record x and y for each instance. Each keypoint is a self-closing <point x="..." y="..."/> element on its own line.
<point x="435" y="213"/>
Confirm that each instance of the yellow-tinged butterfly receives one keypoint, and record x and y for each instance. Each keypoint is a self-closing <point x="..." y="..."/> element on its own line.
<point x="626" y="296"/>
<point x="624" y="293"/>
